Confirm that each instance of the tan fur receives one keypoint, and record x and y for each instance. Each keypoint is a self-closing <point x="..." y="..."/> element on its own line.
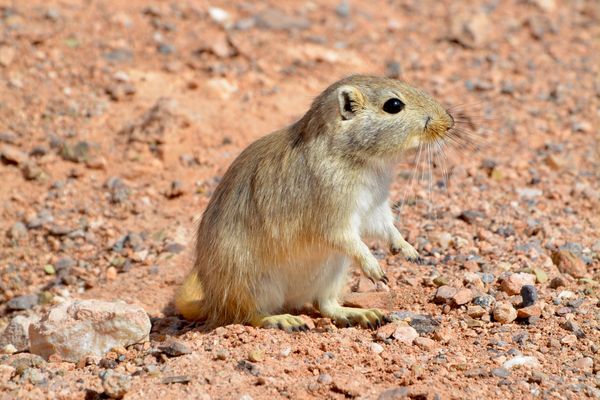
<point x="289" y="214"/>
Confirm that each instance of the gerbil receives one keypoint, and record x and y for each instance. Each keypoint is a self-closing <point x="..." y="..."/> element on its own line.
<point x="290" y="214"/>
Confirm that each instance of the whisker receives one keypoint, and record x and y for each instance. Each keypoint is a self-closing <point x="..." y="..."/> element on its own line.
<point x="416" y="161"/>
<point x="430" y="179"/>
<point x="442" y="156"/>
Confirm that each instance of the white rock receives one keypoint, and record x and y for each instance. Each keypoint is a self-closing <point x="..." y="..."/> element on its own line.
<point x="546" y="5"/>
<point x="405" y="334"/>
<point x="17" y="332"/>
<point x="286" y="351"/>
<point x="8" y="349"/>
<point x="566" y="295"/>
<point x="525" y="361"/>
<point x="444" y="239"/>
<point x="219" y="15"/>
<point x="221" y="87"/>
<point x="376" y="348"/>
<point x="78" y="328"/>
<point x="529" y="193"/>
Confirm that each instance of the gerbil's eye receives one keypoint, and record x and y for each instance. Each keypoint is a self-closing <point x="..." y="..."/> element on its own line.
<point x="393" y="106"/>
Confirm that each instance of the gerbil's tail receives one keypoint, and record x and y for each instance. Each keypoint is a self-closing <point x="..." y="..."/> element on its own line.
<point x="188" y="299"/>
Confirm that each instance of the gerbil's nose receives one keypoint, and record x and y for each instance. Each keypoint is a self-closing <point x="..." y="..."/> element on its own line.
<point x="427" y="120"/>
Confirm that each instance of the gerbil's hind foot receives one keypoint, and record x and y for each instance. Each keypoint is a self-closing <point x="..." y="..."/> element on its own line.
<point x="345" y="317"/>
<point x="408" y="251"/>
<point x="285" y="322"/>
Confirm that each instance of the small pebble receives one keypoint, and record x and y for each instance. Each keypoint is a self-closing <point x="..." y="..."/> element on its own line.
<point x="558" y="281"/>
<point x="538" y="377"/>
<point x="49" y="269"/>
<point x="18" y="230"/>
<point x="286" y="351"/>
<point x="476" y="311"/>
<point x="175" y="349"/>
<point x="504" y="313"/>
<point x="526" y="361"/>
<point x="218" y="15"/>
<point x="424" y="324"/>
<point x="405" y="334"/>
<point x="325" y="379"/>
<point x="393" y="70"/>
<point x="444" y="294"/>
<point x="256" y="356"/>
<point x="8" y="349"/>
<point x="463" y="296"/>
<point x="487" y="277"/>
<point x="376" y="348"/>
<point x="34" y="376"/>
<point x="531" y="311"/>
<point x="569" y="263"/>
<point x="183" y="379"/>
<point x="175" y="190"/>
<point x="440" y="281"/>
<point x="343" y="9"/>
<point x="484" y="301"/>
<point x="513" y="283"/>
<point x="572" y="326"/>
<point x="111" y="273"/>
<point x="115" y="385"/>
<point x="222" y="354"/>
<point x="584" y="364"/>
<point x="424" y="343"/>
<point x="174" y="248"/>
<point x="25" y="302"/>
<point x="501" y="372"/>
<point x="529" y="295"/>
<point x="569" y="339"/>
<point x="540" y="275"/>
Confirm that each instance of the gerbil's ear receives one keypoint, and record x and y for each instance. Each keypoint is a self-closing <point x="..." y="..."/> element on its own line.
<point x="351" y="101"/>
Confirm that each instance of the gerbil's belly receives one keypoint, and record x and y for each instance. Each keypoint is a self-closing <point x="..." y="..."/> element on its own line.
<point x="303" y="280"/>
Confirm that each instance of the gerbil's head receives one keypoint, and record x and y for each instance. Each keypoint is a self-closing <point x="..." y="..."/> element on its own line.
<point x="378" y="117"/>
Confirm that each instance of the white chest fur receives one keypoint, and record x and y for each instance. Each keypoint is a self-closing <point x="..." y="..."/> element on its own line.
<point x="371" y="203"/>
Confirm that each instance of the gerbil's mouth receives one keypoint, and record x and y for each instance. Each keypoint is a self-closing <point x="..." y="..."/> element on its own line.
<point x="435" y="130"/>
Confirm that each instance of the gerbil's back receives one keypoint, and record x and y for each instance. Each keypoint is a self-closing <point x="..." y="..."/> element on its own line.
<point x="260" y="204"/>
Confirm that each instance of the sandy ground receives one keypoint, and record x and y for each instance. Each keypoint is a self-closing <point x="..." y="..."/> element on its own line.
<point x="118" y="118"/>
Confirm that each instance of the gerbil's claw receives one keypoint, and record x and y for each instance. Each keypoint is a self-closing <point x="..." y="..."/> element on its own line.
<point x="395" y="250"/>
<point x="385" y="279"/>
<point x="416" y="259"/>
<point x="347" y="317"/>
<point x="285" y="322"/>
<point x="409" y="252"/>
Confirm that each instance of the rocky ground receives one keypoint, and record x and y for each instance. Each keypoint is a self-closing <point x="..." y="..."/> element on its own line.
<point x="118" y="118"/>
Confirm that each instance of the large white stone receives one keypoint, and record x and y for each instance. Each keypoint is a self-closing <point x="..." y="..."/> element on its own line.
<point x="77" y="328"/>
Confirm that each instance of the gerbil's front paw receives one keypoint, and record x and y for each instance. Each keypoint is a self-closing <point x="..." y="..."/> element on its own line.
<point x="409" y="252"/>
<point x="374" y="272"/>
